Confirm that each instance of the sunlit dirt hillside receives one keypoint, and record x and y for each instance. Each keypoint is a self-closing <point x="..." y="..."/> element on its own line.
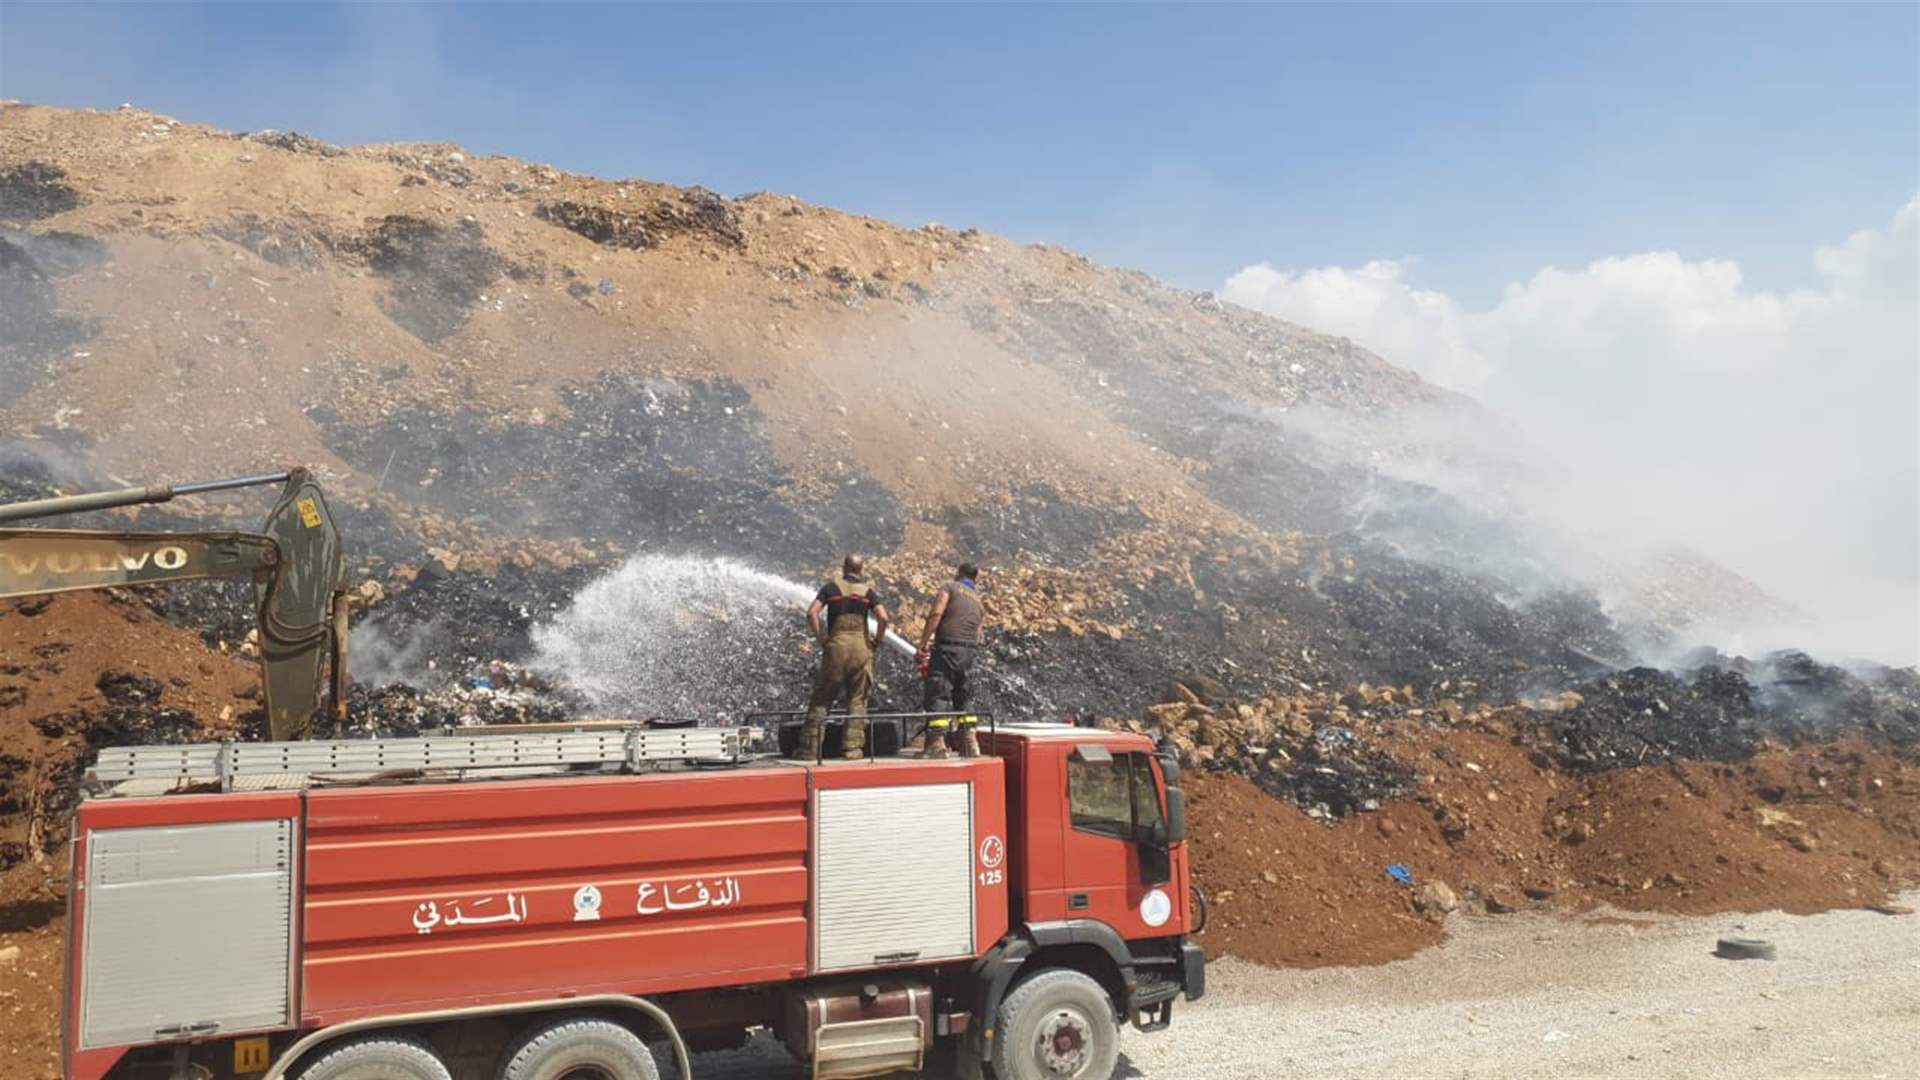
<point x="507" y="368"/>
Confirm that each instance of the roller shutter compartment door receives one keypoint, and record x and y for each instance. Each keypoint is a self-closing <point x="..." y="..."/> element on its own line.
<point x="894" y="875"/>
<point x="188" y="929"/>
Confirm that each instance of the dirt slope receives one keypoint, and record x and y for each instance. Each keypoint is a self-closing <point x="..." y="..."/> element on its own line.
<point x="78" y="672"/>
<point x="495" y="363"/>
<point x="376" y="278"/>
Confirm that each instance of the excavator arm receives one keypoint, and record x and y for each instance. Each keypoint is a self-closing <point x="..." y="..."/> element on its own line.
<point x="295" y="562"/>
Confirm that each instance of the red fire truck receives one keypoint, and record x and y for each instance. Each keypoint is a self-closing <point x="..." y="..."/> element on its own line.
<point x="543" y="904"/>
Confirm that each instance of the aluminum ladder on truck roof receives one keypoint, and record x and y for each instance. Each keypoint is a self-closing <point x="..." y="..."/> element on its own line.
<point x="155" y="769"/>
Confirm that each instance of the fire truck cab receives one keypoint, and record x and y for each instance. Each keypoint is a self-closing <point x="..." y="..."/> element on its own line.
<point x="539" y="906"/>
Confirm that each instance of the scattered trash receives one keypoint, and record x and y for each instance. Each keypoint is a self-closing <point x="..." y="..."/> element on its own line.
<point x="1401" y="873"/>
<point x="1736" y="948"/>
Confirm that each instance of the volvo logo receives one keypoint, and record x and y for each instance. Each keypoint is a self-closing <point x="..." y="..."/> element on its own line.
<point x="98" y="562"/>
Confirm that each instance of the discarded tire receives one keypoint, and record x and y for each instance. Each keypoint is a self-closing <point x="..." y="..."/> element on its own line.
<point x="1740" y="948"/>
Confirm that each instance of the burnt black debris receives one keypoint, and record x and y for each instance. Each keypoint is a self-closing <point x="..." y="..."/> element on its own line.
<point x="1332" y="775"/>
<point x="36" y="336"/>
<point x="697" y="212"/>
<point x="58" y="253"/>
<point x="1642" y="715"/>
<point x="434" y="273"/>
<point x="1723" y="711"/>
<point x="448" y="622"/>
<point x="1036" y="522"/>
<point x="285" y="241"/>
<point x="221" y="611"/>
<point x="127" y="688"/>
<point x="676" y="465"/>
<point x="17" y="488"/>
<point x="33" y="190"/>
<point x="702" y="213"/>
<point x="602" y="225"/>
<point x="134" y="713"/>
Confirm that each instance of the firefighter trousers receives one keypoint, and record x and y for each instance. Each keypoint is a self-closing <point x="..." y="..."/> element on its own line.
<point x="846" y="666"/>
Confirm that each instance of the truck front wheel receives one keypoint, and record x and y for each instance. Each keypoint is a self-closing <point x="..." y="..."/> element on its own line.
<point x="1057" y="1025"/>
<point x="377" y="1057"/>
<point x="583" y="1048"/>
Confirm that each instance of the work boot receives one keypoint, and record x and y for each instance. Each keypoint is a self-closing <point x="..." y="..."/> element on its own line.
<point x="969" y="739"/>
<point x="809" y="748"/>
<point x="936" y="744"/>
<point x="854" y="741"/>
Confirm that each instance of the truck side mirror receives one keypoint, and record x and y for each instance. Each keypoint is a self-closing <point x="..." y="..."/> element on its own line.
<point x="1176" y="814"/>
<point x="1169" y="756"/>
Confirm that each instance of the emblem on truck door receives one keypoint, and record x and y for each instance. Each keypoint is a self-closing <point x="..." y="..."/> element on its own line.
<point x="586" y="904"/>
<point x="992" y="854"/>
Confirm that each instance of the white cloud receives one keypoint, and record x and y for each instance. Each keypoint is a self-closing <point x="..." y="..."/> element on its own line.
<point x="1778" y="431"/>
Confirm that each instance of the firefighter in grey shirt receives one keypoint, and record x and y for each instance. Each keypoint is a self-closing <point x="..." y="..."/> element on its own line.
<point x="948" y="644"/>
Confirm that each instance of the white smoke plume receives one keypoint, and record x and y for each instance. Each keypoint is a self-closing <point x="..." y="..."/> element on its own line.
<point x="380" y="658"/>
<point x="1778" y="432"/>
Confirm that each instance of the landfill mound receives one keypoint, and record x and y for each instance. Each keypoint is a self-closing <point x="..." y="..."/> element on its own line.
<point x="514" y="379"/>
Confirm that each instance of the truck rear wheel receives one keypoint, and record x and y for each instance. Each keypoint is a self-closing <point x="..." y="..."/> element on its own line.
<point x="582" y="1048"/>
<point x="1057" y="1025"/>
<point x="377" y="1057"/>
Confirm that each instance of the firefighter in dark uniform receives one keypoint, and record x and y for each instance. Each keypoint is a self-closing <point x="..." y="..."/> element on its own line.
<point x="838" y="618"/>
<point x="948" y="644"/>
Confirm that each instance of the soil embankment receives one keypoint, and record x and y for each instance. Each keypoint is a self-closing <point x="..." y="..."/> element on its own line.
<point x="78" y="672"/>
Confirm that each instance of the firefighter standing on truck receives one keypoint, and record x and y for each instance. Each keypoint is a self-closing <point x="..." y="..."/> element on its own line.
<point x="838" y="619"/>
<point x="948" y="644"/>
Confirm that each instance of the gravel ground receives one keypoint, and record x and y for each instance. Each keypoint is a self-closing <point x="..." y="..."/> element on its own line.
<point x="1534" y="995"/>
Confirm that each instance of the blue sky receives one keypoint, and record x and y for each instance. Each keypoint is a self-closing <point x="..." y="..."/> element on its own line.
<point x="1481" y="142"/>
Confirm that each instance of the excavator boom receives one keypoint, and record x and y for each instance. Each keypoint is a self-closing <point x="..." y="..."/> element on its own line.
<point x="36" y="561"/>
<point x="295" y="561"/>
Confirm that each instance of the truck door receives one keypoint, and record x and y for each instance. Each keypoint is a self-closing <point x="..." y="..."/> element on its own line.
<point x="1116" y="863"/>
